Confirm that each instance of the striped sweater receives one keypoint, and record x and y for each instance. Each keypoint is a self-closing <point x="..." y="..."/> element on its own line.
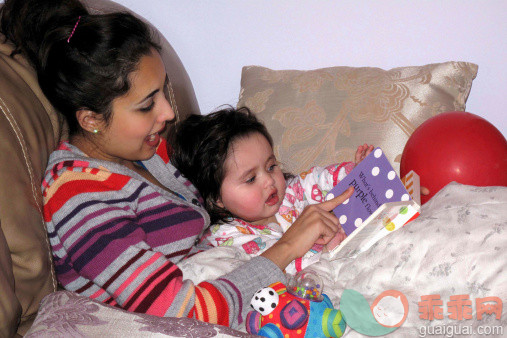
<point x="117" y="238"/>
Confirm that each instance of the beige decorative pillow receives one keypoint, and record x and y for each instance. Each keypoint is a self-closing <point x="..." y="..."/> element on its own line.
<point x="318" y="117"/>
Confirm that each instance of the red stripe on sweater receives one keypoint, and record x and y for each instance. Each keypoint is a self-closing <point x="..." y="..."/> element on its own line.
<point x="84" y="287"/>
<point x="178" y="253"/>
<point x="222" y="308"/>
<point x="123" y="268"/>
<point x="164" y="150"/>
<point x="70" y="189"/>
<point x="202" y="303"/>
<point x="147" y="285"/>
<point x="149" y="303"/>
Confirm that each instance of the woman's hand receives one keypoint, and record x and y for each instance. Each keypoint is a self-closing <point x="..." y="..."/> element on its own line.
<point x="316" y="224"/>
<point x="362" y="152"/>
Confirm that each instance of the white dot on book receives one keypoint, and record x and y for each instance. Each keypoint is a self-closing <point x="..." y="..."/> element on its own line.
<point x="377" y="153"/>
<point x="405" y="197"/>
<point x="329" y="196"/>
<point x="358" y="222"/>
<point x="343" y="219"/>
<point x="375" y="171"/>
<point x="391" y="175"/>
<point x="346" y="201"/>
<point x="389" y="193"/>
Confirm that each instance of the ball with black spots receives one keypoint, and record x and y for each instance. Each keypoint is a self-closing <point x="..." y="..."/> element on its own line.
<point x="265" y="301"/>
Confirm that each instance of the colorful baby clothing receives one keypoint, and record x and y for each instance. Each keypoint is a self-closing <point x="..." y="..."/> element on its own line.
<point x="309" y="187"/>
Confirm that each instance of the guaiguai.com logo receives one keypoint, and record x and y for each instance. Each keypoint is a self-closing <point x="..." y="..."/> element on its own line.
<point x="387" y="312"/>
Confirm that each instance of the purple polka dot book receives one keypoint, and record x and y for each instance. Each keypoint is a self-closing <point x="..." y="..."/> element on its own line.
<point x="379" y="205"/>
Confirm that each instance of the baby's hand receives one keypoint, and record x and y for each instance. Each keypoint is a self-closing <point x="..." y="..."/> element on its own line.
<point x="362" y="152"/>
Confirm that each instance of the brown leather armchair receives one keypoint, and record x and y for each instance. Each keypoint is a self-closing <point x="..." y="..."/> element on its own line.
<point x="30" y="129"/>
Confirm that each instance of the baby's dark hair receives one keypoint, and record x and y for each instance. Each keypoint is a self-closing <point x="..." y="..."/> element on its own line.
<point x="83" y="61"/>
<point x="201" y="145"/>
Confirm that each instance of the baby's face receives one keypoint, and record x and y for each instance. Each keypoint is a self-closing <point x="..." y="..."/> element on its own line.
<point x="254" y="186"/>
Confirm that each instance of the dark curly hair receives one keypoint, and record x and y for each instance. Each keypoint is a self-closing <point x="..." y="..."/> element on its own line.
<point x="201" y="144"/>
<point x="92" y="68"/>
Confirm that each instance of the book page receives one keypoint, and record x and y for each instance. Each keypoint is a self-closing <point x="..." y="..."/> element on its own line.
<point x="375" y="182"/>
<point x="385" y="220"/>
<point x="380" y="204"/>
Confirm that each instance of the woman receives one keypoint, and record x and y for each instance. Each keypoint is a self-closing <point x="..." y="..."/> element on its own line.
<point x="119" y="215"/>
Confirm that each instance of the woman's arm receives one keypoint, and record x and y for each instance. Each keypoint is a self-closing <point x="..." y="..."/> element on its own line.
<point x="117" y="241"/>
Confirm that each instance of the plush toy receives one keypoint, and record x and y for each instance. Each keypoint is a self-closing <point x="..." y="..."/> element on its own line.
<point x="298" y="310"/>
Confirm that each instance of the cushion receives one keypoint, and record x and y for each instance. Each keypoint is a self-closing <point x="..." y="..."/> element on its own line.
<point x="65" y="314"/>
<point x="29" y="131"/>
<point x="10" y="309"/>
<point x="318" y="117"/>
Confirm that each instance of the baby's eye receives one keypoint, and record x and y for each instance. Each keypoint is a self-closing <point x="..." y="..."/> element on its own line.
<point x="272" y="167"/>
<point x="251" y="180"/>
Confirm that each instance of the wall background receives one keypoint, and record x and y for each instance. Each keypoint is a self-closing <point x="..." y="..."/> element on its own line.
<point x="215" y="39"/>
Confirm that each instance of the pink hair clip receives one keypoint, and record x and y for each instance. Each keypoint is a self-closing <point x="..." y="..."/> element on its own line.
<point x="74" y="29"/>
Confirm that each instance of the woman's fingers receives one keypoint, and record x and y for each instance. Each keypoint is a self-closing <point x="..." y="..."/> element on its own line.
<point x="316" y="224"/>
<point x="322" y="219"/>
<point x="336" y="201"/>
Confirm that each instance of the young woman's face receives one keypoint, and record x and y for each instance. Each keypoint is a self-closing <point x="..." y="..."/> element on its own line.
<point x="139" y="116"/>
<point x="254" y="185"/>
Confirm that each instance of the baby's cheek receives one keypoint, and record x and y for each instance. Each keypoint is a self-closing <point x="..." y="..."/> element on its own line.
<point x="282" y="184"/>
<point x="251" y="204"/>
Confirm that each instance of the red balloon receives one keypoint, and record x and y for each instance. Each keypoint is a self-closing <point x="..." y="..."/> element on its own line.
<point x="456" y="146"/>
